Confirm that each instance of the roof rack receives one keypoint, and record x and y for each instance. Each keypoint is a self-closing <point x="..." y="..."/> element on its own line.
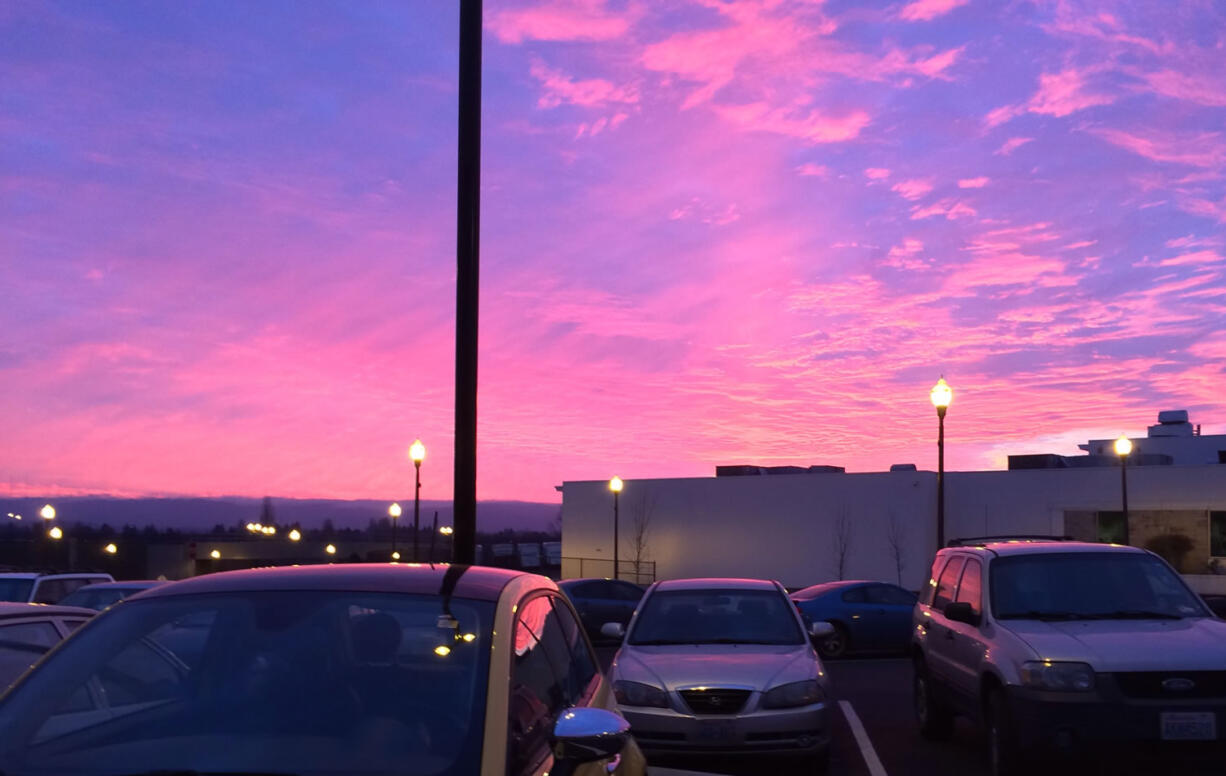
<point x="970" y="541"/>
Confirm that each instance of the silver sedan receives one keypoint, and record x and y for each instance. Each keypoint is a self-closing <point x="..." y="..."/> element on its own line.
<point x="722" y="665"/>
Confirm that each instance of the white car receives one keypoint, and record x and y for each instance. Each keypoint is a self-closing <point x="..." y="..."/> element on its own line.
<point x="1062" y="647"/>
<point x="720" y="666"/>
<point x="29" y="631"/>
<point x="33" y="588"/>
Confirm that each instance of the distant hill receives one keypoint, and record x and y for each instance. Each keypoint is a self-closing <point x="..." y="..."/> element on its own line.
<point x="201" y="514"/>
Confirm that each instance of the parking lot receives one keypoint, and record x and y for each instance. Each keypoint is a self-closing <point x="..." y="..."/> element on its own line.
<point x="875" y="734"/>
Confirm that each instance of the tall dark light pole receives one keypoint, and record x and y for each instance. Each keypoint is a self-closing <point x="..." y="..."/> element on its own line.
<point x="941" y="396"/>
<point x="615" y="485"/>
<point x="1123" y="448"/>
<point x="468" y="237"/>
<point x="417" y="453"/>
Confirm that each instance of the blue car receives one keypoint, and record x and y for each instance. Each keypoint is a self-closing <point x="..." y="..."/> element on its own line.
<point x="867" y="616"/>
<point x="602" y="600"/>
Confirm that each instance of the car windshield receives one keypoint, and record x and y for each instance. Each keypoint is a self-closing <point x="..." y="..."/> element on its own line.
<point x="809" y="593"/>
<point x="90" y="597"/>
<point x="265" y="682"/>
<point x="716" y="617"/>
<point x="15" y="589"/>
<point x="1089" y="585"/>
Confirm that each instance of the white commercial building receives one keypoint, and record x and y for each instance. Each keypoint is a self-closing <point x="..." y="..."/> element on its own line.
<point x="803" y="527"/>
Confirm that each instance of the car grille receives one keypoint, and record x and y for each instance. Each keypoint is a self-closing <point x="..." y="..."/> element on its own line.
<point x="715" y="700"/>
<point x="1170" y="685"/>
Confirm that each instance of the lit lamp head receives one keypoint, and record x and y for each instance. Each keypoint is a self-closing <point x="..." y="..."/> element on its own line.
<point x="56" y="532"/>
<point x="330" y="549"/>
<point x="47" y="512"/>
<point x="446" y="530"/>
<point x="941" y="396"/>
<point x="215" y="554"/>
<point x="616" y="484"/>
<point x="110" y="549"/>
<point x="417" y="452"/>
<point x="1123" y="446"/>
<point x="295" y="535"/>
<point x="394" y="511"/>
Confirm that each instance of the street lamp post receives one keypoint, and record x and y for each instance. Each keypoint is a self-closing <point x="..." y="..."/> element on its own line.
<point x="394" y="512"/>
<point x="615" y="485"/>
<point x="1123" y="448"/>
<point x="941" y="396"/>
<point x="417" y="452"/>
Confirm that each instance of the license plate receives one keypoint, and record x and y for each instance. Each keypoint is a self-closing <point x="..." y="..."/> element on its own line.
<point x="1189" y="726"/>
<point x="712" y="732"/>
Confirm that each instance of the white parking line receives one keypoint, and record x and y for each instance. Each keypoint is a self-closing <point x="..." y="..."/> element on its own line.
<point x="866" y="746"/>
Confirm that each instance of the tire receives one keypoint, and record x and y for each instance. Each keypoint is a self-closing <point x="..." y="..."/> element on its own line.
<point x="836" y="646"/>
<point x="1004" y="754"/>
<point x="935" y="720"/>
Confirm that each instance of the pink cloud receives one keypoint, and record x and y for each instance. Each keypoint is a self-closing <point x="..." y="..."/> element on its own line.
<point x="972" y="183"/>
<point x="927" y="10"/>
<point x="876" y="173"/>
<point x="812" y="127"/>
<point x="950" y="208"/>
<point x="1204" y="207"/>
<point x="1205" y="149"/>
<point x="1012" y="144"/>
<point x="580" y="20"/>
<point x="1205" y="89"/>
<point x="1196" y="258"/>
<point x="912" y="189"/>
<point x="1059" y="94"/>
<point x="809" y="169"/>
<point x="560" y="89"/>
<point x="904" y="256"/>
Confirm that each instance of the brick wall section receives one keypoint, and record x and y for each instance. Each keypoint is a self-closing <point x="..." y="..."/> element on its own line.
<point x="1194" y="524"/>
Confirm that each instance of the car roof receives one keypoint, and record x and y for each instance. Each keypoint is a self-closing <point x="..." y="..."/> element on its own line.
<point x="131" y="584"/>
<point x="716" y="583"/>
<point x="36" y="575"/>
<point x="477" y="582"/>
<point x="1029" y="547"/>
<point x="578" y="580"/>
<point x="9" y="610"/>
<point x="838" y="584"/>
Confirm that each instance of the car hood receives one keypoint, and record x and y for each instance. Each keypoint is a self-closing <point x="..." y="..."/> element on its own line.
<point x="754" y="666"/>
<point x="1195" y="644"/>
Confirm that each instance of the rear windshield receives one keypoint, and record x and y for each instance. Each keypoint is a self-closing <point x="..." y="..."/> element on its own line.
<point x="15" y="589"/>
<point x="716" y="617"/>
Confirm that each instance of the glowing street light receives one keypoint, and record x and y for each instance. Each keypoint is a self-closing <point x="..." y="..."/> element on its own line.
<point x="215" y="554"/>
<point x="616" y="486"/>
<point x="395" y="555"/>
<point x="941" y="395"/>
<point x="330" y="549"/>
<point x="446" y="530"/>
<point x="1123" y="448"/>
<point x="417" y="454"/>
<point x="295" y="535"/>
<point x="56" y="532"/>
<point x="110" y="549"/>
<point x="47" y="512"/>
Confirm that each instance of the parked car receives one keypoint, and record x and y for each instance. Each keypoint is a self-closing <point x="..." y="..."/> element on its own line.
<point x="100" y="595"/>
<point x="722" y="665"/>
<point x="354" y="669"/>
<point x="33" y="588"/>
<point x="867" y="616"/>
<point x="1061" y="646"/>
<point x="1217" y="603"/>
<point x="28" y="631"/>
<point x="602" y="600"/>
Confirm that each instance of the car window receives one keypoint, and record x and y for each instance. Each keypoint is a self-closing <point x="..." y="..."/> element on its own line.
<point x="948" y="582"/>
<point x="857" y="595"/>
<point x="582" y="669"/>
<point x="50" y="591"/>
<point x="542" y="684"/>
<point x="716" y="616"/>
<point x="970" y="589"/>
<point x="21" y="645"/>
<point x="592" y="589"/>
<point x="626" y="592"/>
<point x="15" y="589"/>
<point x="889" y="595"/>
<point x="930" y="588"/>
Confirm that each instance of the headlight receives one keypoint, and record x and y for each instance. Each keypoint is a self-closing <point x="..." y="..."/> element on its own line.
<point x="786" y="696"/>
<point x="1062" y="677"/>
<point x="639" y="694"/>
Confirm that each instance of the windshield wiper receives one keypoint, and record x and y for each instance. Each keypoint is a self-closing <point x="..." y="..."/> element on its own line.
<point x="1136" y="614"/>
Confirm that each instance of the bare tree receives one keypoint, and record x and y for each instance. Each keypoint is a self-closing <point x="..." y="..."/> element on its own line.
<point x="897" y="539"/>
<point x="842" y="541"/>
<point x="642" y="507"/>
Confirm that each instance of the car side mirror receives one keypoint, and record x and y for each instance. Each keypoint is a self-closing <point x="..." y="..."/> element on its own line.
<point x="821" y="630"/>
<point x="584" y="735"/>
<point x="961" y="611"/>
<point x="613" y="630"/>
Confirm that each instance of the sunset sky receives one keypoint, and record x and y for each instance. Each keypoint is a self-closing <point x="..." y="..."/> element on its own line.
<point x="712" y="232"/>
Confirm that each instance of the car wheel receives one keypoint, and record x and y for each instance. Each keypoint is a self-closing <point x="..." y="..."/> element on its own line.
<point x="836" y="645"/>
<point x="1004" y="755"/>
<point x="936" y="722"/>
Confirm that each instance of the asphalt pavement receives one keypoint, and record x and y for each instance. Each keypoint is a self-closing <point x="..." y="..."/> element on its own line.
<point x="874" y="734"/>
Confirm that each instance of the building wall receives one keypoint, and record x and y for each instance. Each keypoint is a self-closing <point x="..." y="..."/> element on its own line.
<point x="786" y="527"/>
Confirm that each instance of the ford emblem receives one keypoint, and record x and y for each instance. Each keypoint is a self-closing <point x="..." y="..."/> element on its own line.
<point x="1178" y="684"/>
